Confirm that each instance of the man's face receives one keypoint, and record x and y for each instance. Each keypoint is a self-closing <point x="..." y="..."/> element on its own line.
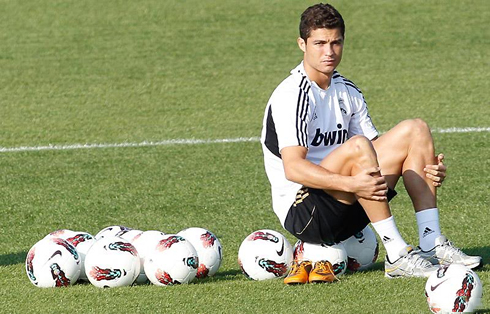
<point x="322" y="51"/>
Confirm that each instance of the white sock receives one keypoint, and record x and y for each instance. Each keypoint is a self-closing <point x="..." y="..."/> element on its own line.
<point x="392" y="240"/>
<point x="429" y="230"/>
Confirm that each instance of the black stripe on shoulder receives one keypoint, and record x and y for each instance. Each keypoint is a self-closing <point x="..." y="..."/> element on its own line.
<point x="348" y="82"/>
<point x="271" y="141"/>
<point x="353" y="86"/>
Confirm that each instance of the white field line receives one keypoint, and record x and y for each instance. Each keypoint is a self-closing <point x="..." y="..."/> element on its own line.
<point x="119" y="145"/>
<point x="184" y="142"/>
<point x="460" y="130"/>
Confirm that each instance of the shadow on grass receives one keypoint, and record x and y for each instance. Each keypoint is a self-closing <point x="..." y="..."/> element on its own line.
<point x="12" y="258"/>
<point x="223" y="276"/>
<point x="483" y="251"/>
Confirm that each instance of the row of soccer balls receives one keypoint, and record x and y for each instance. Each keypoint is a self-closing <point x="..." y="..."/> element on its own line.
<point x="120" y="256"/>
<point x="266" y="254"/>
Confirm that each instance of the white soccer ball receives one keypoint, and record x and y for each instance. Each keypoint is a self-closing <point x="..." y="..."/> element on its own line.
<point x="112" y="262"/>
<point x="173" y="261"/>
<point x="362" y="249"/>
<point x="129" y="234"/>
<point x="265" y="254"/>
<point x="111" y="231"/>
<point x="145" y="243"/>
<point x="208" y="247"/>
<point x="453" y="288"/>
<point x="53" y="262"/>
<point x="335" y="254"/>
<point x="81" y="240"/>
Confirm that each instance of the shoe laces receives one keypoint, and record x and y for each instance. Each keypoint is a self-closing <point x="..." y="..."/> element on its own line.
<point x="324" y="266"/>
<point x="418" y="261"/>
<point x="295" y="268"/>
<point x="451" y="249"/>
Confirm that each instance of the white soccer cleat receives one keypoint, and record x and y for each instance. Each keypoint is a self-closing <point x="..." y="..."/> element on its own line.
<point x="445" y="253"/>
<point x="410" y="264"/>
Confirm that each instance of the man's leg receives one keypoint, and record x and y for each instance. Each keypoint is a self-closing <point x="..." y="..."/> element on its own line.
<point x="404" y="151"/>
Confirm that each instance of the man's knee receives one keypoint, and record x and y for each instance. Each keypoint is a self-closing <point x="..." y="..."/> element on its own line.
<point x="415" y="128"/>
<point x="360" y="146"/>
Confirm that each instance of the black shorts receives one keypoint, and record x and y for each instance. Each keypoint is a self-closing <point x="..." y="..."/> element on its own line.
<point x="317" y="217"/>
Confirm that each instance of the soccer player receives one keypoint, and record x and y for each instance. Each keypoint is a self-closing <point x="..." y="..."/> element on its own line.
<point x="332" y="174"/>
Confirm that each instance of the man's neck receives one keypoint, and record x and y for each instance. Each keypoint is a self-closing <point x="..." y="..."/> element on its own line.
<point x="321" y="79"/>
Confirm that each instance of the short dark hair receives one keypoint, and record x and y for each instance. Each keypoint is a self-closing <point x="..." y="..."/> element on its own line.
<point x="320" y="16"/>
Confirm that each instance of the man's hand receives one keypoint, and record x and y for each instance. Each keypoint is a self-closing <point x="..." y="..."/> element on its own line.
<point x="370" y="185"/>
<point x="437" y="173"/>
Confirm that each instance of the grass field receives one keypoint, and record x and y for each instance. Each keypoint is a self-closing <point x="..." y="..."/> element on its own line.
<point x="112" y="72"/>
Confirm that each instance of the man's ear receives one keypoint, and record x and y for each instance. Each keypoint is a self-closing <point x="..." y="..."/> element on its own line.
<point x="302" y="44"/>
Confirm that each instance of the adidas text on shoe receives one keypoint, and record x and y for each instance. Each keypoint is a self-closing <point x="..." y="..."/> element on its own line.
<point x="410" y="264"/>
<point x="322" y="272"/>
<point x="299" y="273"/>
<point x="445" y="253"/>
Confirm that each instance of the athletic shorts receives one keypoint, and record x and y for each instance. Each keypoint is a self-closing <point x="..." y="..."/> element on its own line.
<point x="317" y="217"/>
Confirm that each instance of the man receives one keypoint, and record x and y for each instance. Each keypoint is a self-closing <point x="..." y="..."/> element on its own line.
<point x="330" y="172"/>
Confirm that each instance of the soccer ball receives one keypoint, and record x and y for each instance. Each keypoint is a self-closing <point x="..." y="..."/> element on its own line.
<point x="265" y="254"/>
<point x="129" y="234"/>
<point x="335" y="254"/>
<point x="144" y="243"/>
<point x="53" y="262"/>
<point x="362" y="249"/>
<point x="208" y="249"/>
<point x="112" y="262"/>
<point x="111" y="231"/>
<point x="82" y="241"/>
<point x="173" y="261"/>
<point x="453" y="288"/>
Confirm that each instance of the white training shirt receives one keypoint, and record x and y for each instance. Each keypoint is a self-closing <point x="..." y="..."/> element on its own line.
<point x="300" y="113"/>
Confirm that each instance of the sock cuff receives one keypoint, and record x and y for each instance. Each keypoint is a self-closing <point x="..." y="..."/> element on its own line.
<point x="426" y="215"/>
<point x="385" y="223"/>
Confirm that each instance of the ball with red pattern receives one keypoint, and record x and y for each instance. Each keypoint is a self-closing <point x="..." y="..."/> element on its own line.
<point x="172" y="261"/>
<point x="52" y="262"/>
<point x="208" y="249"/>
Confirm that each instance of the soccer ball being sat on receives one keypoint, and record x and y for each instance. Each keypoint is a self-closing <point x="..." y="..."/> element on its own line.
<point x="53" y="262"/>
<point x="208" y="249"/>
<point x="265" y="254"/>
<point x="172" y="261"/>
<point x="453" y="288"/>
<point x="362" y="249"/>
<point x="112" y="262"/>
<point x="335" y="254"/>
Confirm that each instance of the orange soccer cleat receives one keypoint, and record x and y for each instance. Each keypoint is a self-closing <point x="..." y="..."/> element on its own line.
<point x="322" y="272"/>
<point x="299" y="273"/>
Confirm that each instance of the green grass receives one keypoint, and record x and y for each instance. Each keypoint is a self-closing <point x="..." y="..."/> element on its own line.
<point x="121" y="71"/>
